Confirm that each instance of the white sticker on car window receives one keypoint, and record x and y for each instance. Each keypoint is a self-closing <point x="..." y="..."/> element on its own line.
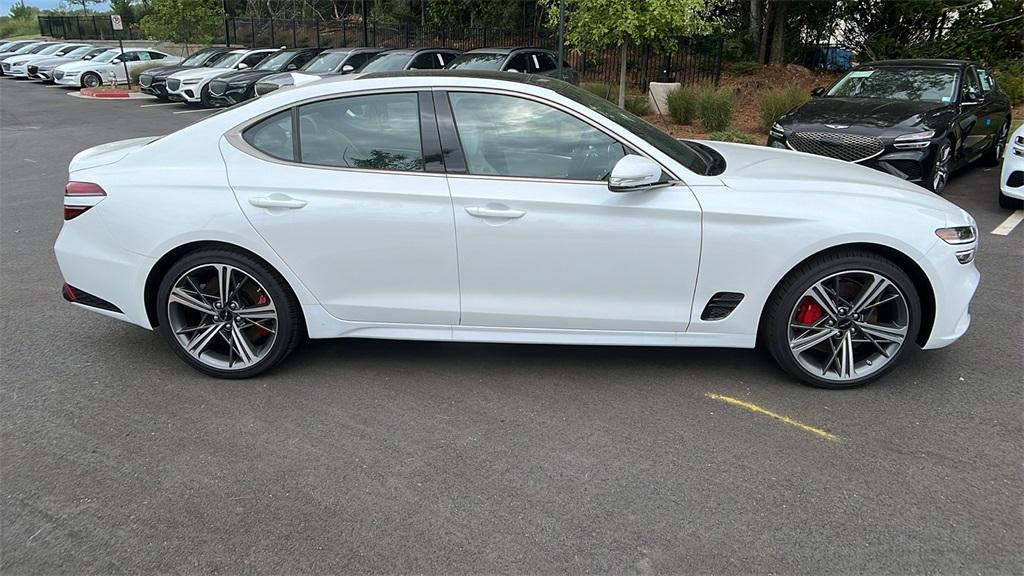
<point x="860" y="73"/>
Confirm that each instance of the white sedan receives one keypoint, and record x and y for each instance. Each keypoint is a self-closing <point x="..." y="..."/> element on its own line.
<point x="17" y="66"/>
<point x="109" y="67"/>
<point x="1011" y="179"/>
<point x="497" y="208"/>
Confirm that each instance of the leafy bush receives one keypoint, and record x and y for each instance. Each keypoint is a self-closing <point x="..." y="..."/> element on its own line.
<point x="714" y="109"/>
<point x="1011" y="80"/>
<point x="743" y="68"/>
<point x="636" y="103"/>
<point x="778" y="101"/>
<point x="682" y="103"/>
<point x="732" y="136"/>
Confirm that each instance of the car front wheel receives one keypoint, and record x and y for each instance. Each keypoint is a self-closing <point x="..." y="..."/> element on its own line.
<point x="842" y="320"/>
<point x="91" y="80"/>
<point x="227" y="314"/>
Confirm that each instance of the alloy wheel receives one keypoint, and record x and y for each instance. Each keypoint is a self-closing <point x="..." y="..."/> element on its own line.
<point x="91" y="81"/>
<point x="1001" y="142"/>
<point x="848" y="325"/>
<point x="940" y="174"/>
<point x="222" y="316"/>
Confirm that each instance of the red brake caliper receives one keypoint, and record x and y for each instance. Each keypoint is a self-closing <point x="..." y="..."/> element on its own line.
<point x="260" y="329"/>
<point x="809" y="311"/>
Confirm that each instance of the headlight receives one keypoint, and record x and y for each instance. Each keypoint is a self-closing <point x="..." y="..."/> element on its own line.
<point x="20" y="63"/>
<point x="958" y="234"/>
<point x="777" y="130"/>
<point x="190" y="81"/>
<point x="1018" y="146"/>
<point x="915" y="140"/>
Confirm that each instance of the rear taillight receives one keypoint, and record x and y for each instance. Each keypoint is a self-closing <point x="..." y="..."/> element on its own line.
<point x="80" y="196"/>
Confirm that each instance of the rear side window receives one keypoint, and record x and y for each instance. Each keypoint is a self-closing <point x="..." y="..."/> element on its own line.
<point x="378" y="131"/>
<point x="543" y="62"/>
<point x="425" y="61"/>
<point x="157" y="55"/>
<point x="519" y="63"/>
<point x="273" y="136"/>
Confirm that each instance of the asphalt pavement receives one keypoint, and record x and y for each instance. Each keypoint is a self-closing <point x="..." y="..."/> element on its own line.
<point x="403" y="457"/>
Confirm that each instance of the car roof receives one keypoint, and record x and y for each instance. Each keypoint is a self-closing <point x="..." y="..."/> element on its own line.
<point x="505" y="50"/>
<point x="944" y="62"/>
<point x="532" y="79"/>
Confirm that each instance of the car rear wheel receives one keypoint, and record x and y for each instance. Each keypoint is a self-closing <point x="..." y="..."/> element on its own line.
<point x="939" y="176"/>
<point x="994" y="154"/>
<point x="842" y="320"/>
<point x="91" y="80"/>
<point x="226" y="314"/>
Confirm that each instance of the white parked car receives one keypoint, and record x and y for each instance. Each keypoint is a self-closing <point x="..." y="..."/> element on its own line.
<point x="504" y="208"/>
<point x="17" y="66"/>
<point x="109" y="67"/>
<point x="43" y="69"/>
<point x="22" y="49"/>
<point x="192" y="86"/>
<point x="1011" y="179"/>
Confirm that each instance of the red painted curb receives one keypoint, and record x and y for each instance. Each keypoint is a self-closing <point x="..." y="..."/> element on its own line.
<point x="94" y="94"/>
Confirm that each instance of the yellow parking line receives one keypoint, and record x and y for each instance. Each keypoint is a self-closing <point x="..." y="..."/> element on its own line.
<point x="780" y="417"/>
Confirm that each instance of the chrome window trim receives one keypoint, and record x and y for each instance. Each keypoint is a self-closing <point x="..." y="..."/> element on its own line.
<point x="235" y="138"/>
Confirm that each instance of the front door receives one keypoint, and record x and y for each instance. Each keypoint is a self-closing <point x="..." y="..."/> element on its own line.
<point x="543" y="243"/>
<point x="340" y="191"/>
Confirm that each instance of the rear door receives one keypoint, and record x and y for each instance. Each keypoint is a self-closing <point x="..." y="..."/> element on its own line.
<point x="351" y="193"/>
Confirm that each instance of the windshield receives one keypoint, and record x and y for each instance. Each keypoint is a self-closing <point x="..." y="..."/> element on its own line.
<point x="386" y="61"/>
<point x="326" y="62"/>
<point x="106" y="56"/>
<point x="79" y="52"/>
<point x="275" y="62"/>
<point x="898" y="83"/>
<point x="25" y="48"/>
<point x="196" y="59"/>
<point x="50" y="50"/>
<point x="698" y="161"/>
<point x="477" y="61"/>
<point x="230" y="60"/>
<point x="40" y="48"/>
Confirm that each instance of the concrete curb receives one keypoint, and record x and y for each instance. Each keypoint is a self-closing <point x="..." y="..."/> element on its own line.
<point x="109" y="95"/>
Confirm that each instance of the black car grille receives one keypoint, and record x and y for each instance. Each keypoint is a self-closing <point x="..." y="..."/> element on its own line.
<point x="848" y="147"/>
<point x="7" y="67"/>
<point x="173" y="83"/>
<point x="58" y="74"/>
<point x="217" y="87"/>
<point x="33" y="70"/>
<point x="145" y="80"/>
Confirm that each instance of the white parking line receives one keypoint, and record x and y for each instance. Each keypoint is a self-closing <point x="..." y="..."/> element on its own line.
<point x="160" y="104"/>
<point x="1010" y="223"/>
<point x="196" y="110"/>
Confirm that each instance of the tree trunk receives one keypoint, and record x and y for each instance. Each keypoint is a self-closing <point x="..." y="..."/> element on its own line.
<point x="766" y="24"/>
<point x="779" y="35"/>
<point x="622" y="76"/>
<point x="755" y="21"/>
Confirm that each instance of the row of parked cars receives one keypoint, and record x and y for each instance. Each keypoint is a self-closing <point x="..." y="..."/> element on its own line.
<point x="221" y="76"/>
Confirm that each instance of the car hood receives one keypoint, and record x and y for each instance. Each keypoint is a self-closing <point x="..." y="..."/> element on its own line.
<point x="189" y="73"/>
<point x="27" y="58"/>
<point x="868" y="114"/>
<point x="107" y="153"/>
<point x="761" y="167"/>
<point x="54" y="61"/>
<point x="165" y="71"/>
<point x="246" y="75"/>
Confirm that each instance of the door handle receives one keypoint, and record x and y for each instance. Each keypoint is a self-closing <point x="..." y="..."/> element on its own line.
<point x="485" y="212"/>
<point x="277" y="201"/>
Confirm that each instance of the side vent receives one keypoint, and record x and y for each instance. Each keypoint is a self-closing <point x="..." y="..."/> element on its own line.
<point x="721" y="305"/>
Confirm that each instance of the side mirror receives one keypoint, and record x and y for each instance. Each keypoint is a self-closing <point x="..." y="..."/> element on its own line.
<point x="242" y="66"/>
<point x="634" y="173"/>
<point x="115" y="61"/>
<point x="512" y="70"/>
<point x="291" y="67"/>
<point x="971" y="98"/>
<point x="347" y="68"/>
<point x="818" y="91"/>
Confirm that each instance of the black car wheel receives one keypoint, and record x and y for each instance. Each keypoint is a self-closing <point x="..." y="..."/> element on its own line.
<point x="994" y="154"/>
<point x="939" y="176"/>
<point x="1010" y="203"/>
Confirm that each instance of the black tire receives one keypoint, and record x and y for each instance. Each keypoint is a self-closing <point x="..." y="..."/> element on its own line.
<point x="775" y="329"/>
<point x="204" y="96"/>
<point x="91" y="80"/>
<point x="933" y="182"/>
<point x="994" y="154"/>
<point x="289" y="327"/>
<point x="1010" y="203"/>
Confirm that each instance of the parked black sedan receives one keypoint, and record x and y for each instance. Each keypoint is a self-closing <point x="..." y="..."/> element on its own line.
<point x="523" y="60"/>
<point x="154" y="81"/>
<point x="410" y="59"/>
<point x="916" y="119"/>
<point x="234" y="87"/>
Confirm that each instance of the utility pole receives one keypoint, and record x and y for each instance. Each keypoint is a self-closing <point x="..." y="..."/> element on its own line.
<point x="227" y="34"/>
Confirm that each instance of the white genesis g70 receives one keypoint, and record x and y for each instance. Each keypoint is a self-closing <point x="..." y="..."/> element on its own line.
<point x="504" y="208"/>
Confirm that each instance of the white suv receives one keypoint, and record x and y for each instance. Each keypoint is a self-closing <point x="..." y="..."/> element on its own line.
<point x="192" y="86"/>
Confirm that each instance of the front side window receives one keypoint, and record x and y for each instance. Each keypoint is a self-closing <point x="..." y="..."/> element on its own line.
<point x="510" y="136"/>
<point x="300" y="60"/>
<point x="254" y="58"/>
<point x="518" y="63"/>
<point x="273" y="136"/>
<point x="971" y="88"/>
<point x="378" y="131"/>
<point x="425" y="61"/>
<point x="325" y="62"/>
<point x="898" y="83"/>
<point x="543" y="62"/>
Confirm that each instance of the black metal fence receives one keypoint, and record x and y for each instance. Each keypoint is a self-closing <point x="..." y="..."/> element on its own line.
<point x="695" y="60"/>
<point x="87" y="28"/>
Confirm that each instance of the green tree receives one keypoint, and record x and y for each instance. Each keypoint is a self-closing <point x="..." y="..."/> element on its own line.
<point x="21" y="11"/>
<point x="601" y="24"/>
<point x="186" y="21"/>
